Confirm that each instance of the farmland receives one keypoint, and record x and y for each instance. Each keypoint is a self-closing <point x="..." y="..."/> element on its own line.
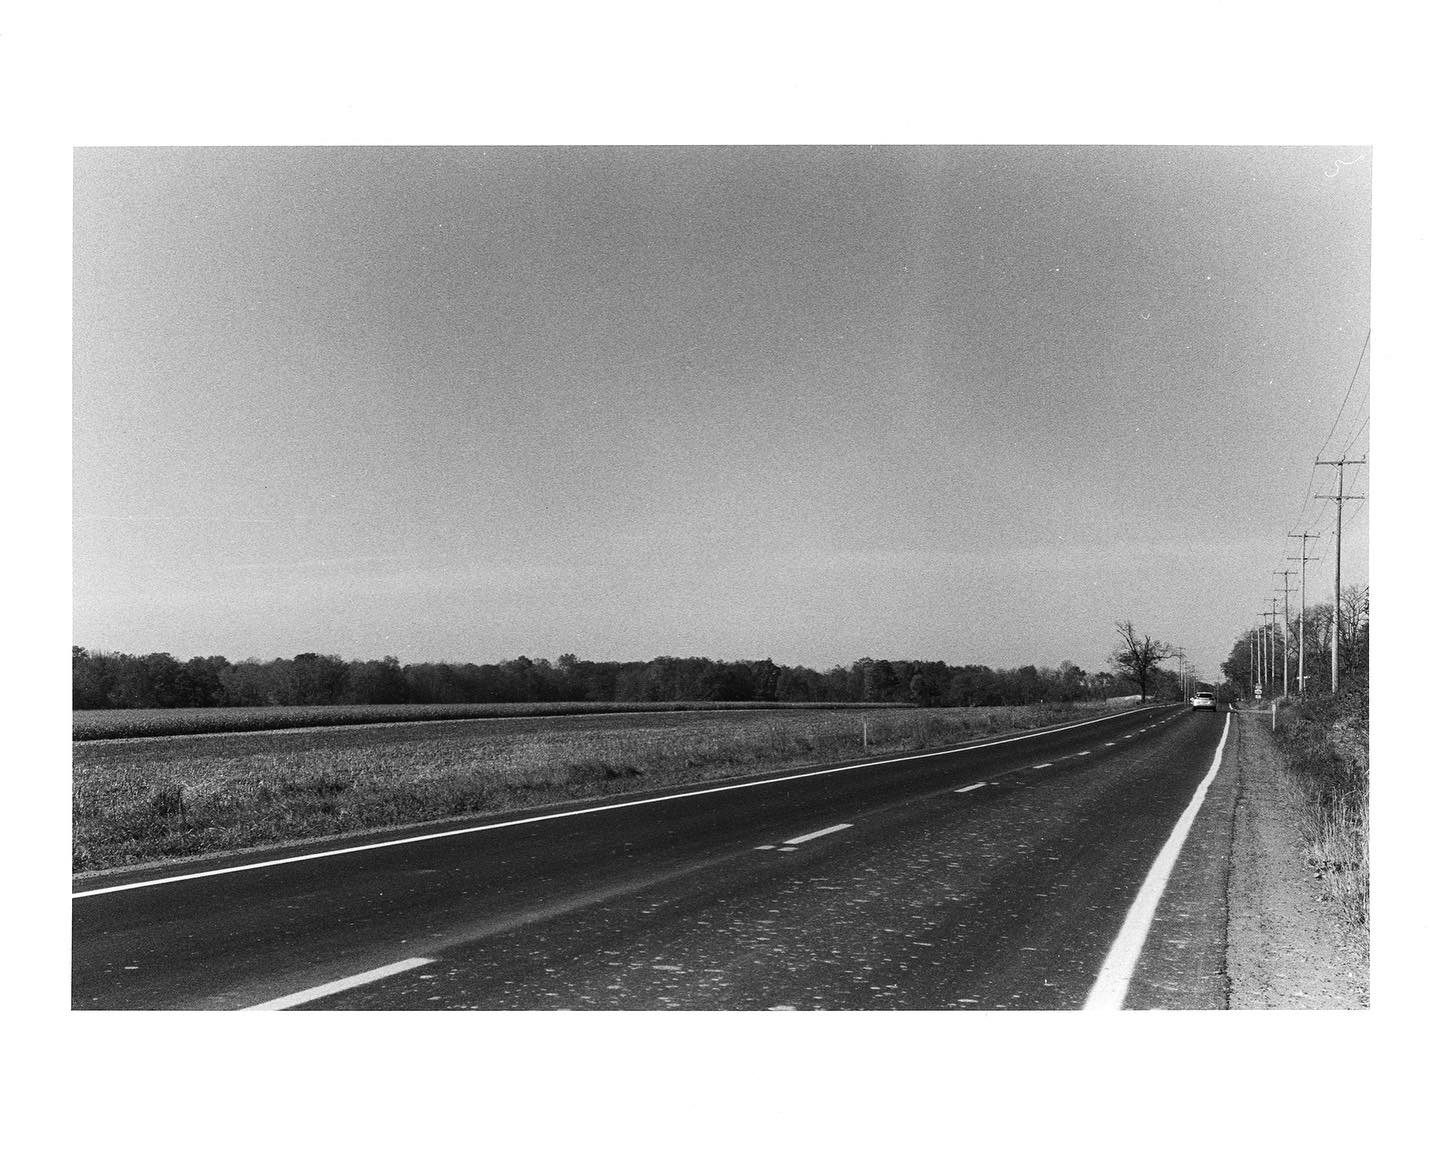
<point x="98" y="724"/>
<point x="160" y="798"/>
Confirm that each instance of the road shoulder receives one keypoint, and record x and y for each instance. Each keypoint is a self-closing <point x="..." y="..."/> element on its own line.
<point x="1285" y="950"/>
<point x="1183" y="964"/>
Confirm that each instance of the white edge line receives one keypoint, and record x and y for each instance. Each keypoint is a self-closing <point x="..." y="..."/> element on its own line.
<point x="1113" y="983"/>
<point x="578" y="812"/>
<point x="818" y="833"/>
<point x="342" y="984"/>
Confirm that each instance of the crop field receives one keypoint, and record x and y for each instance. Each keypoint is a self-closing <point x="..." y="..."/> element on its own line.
<point x="162" y="798"/>
<point x="97" y="724"/>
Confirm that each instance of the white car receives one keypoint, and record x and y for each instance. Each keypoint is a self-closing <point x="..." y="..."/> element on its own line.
<point x="1204" y="699"/>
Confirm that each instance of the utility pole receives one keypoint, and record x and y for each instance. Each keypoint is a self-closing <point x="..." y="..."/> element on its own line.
<point x="1274" y="648"/>
<point x="1275" y="654"/>
<point x="1285" y="633"/>
<point x="1270" y="642"/>
<point x="1303" y="558"/>
<point x="1263" y="635"/>
<point x="1339" y="498"/>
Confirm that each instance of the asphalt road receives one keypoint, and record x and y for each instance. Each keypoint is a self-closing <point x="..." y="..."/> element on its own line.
<point x="991" y="877"/>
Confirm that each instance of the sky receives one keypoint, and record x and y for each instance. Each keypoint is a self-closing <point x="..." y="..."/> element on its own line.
<point x="971" y="404"/>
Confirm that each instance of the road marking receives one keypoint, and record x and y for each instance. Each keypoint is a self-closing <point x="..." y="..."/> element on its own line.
<point x="968" y="788"/>
<point x="1043" y="765"/>
<point x="390" y="844"/>
<point x="342" y="984"/>
<point x="1108" y="744"/>
<point x="804" y="837"/>
<point x="1123" y="736"/>
<point x="1113" y="983"/>
<point x="764" y="847"/>
<point x="1083" y="753"/>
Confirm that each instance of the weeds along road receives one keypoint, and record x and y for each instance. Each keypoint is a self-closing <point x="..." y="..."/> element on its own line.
<point x="998" y="875"/>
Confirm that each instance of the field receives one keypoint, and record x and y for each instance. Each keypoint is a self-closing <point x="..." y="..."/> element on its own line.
<point x="158" y="798"/>
<point x="98" y="724"/>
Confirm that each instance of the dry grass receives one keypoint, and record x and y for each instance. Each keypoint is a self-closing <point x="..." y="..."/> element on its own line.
<point x="103" y="724"/>
<point x="137" y="801"/>
<point x="1325" y="743"/>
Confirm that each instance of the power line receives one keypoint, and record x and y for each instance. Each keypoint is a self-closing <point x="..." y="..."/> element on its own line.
<point x="1354" y="438"/>
<point x="1310" y="515"/>
<point x="1354" y="511"/>
<point x="1353" y="375"/>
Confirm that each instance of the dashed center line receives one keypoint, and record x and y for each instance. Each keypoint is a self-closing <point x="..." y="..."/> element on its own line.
<point x="1083" y="753"/>
<point x="804" y="837"/>
<point x="339" y="986"/>
<point x="1043" y="765"/>
<point x="968" y="788"/>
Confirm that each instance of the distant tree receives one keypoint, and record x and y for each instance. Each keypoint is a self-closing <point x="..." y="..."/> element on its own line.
<point x="200" y="683"/>
<point x="1137" y="656"/>
<point x="1355" y="628"/>
<point x="92" y="679"/>
<point x="1028" y="686"/>
<point x="1070" y="680"/>
<point x="885" y="684"/>
<point x="119" y="680"/>
<point x="1101" y="684"/>
<point x="798" y="685"/>
<point x="974" y="685"/>
<point x="375" y="682"/>
<point x="922" y="689"/>
<point x="1319" y="628"/>
<point x="764" y="679"/>
<point x="1237" y="668"/>
<point x="317" y="679"/>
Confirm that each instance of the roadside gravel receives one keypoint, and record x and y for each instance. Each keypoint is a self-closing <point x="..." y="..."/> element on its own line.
<point x="1285" y="949"/>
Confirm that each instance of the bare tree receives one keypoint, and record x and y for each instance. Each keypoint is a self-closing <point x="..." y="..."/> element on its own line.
<point x="1355" y="627"/>
<point x="1354" y="611"/>
<point x="1137" y="655"/>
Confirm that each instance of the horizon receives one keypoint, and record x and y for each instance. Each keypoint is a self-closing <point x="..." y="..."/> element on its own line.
<point x="806" y="401"/>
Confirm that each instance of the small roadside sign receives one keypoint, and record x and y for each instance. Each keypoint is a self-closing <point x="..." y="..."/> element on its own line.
<point x="1257" y="693"/>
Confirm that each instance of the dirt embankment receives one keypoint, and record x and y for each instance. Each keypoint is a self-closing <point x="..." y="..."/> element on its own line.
<point x="1286" y="949"/>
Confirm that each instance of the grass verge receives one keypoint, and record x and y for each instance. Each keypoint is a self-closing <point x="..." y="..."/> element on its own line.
<point x="1326" y="746"/>
<point x="105" y="724"/>
<point x="146" y="801"/>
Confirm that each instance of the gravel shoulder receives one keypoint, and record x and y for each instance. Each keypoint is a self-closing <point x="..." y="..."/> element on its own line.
<point x="1285" y="950"/>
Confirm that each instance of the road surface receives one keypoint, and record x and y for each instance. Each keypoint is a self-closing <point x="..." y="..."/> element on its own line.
<point x="995" y="876"/>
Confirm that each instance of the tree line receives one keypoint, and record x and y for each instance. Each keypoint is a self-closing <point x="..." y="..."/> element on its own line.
<point x="1319" y="629"/>
<point x="159" y="681"/>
